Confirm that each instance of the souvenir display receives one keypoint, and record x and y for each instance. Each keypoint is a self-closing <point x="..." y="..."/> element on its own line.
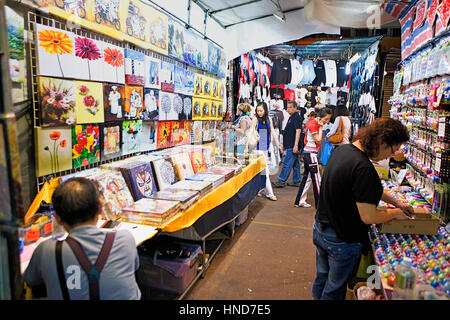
<point x="89" y="102"/>
<point x="176" y="39"/>
<point x="53" y="150"/>
<point x="152" y="73"/>
<point x="134" y="67"/>
<point x="149" y="135"/>
<point x="167" y="76"/>
<point x="150" y="211"/>
<point x="185" y="197"/>
<point x="215" y="179"/>
<point x="197" y="160"/>
<point x="111" y="134"/>
<point x="228" y="173"/>
<point x="164" y="172"/>
<point x="204" y="187"/>
<point x="85" y="145"/>
<point x="182" y="165"/>
<point x="164" y="139"/>
<point x="140" y="180"/>
<point x="133" y="106"/>
<point x="113" y="100"/>
<point x="56" y="101"/>
<point x="197" y="133"/>
<point x="131" y="131"/>
<point x="151" y="104"/>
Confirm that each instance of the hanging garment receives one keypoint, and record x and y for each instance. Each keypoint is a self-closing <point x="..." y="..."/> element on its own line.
<point x="277" y="93"/>
<point x="342" y="77"/>
<point x="281" y="72"/>
<point x="319" y="69"/>
<point x="322" y="95"/>
<point x="331" y="97"/>
<point x="330" y="72"/>
<point x="297" y="72"/>
<point x="308" y="72"/>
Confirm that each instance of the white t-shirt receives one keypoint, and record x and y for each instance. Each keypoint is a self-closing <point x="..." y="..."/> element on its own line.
<point x="347" y="129"/>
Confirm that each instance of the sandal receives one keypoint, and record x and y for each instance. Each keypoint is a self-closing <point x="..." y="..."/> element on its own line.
<point x="261" y="193"/>
<point x="273" y="198"/>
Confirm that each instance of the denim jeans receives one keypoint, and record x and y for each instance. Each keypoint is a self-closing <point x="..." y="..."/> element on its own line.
<point x="291" y="160"/>
<point x="336" y="263"/>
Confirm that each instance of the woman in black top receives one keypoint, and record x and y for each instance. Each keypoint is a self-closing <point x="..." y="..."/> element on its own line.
<point x="349" y="195"/>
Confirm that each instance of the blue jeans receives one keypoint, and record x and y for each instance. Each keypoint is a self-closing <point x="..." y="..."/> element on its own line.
<point x="336" y="263"/>
<point x="291" y="160"/>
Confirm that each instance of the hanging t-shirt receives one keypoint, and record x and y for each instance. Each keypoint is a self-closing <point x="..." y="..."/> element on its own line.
<point x="281" y="71"/>
<point x="319" y="70"/>
<point x="308" y="72"/>
<point x="330" y="72"/>
<point x="342" y="77"/>
<point x="277" y="93"/>
<point x="322" y="95"/>
<point x="297" y="72"/>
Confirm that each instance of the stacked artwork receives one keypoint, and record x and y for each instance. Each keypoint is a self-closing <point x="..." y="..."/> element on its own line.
<point x="164" y="172"/>
<point x="140" y="180"/>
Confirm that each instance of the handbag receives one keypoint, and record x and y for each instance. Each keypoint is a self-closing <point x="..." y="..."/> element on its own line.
<point x="339" y="135"/>
<point x="326" y="153"/>
<point x="252" y="136"/>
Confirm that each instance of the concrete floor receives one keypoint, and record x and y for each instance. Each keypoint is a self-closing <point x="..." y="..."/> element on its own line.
<point x="270" y="256"/>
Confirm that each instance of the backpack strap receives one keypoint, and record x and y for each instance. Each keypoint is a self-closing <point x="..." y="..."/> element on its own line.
<point x="92" y="270"/>
<point x="60" y="270"/>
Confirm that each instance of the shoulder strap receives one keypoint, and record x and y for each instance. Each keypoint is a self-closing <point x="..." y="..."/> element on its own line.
<point x="60" y="270"/>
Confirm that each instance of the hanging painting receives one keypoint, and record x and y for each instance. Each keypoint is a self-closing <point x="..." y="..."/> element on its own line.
<point x="189" y="80"/>
<point x="191" y="45"/>
<point x="158" y="27"/>
<point x="152" y="70"/>
<point x="181" y="132"/>
<point x="164" y="139"/>
<point x="198" y="85"/>
<point x="56" y="101"/>
<point x="131" y="131"/>
<point x="53" y="150"/>
<point x="176" y="39"/>
<point x="134" y="67"/>
<point x="206" y="109"/>
<point x="151" y="104"/>
<point x="213" y="58"/>
<point x="107" y="14"/>
<point x="197" y="161"/>
<point x="136" y="22"/>
<point x="167" y="76"/>
<point x="89" y="102"/>
<point x="113" y="66"/>
<point x="219" y="110"/>
<point x="196" y="108"/>
<point x="133" y="105"/>
<point x="85" y="145"/>
<point x="197" y="135"/>
<point x="169" y="105"/>
<point x="179" y="79"/>
<point x="213" y="110"/>
<point x="222" y="89"/>
<point x="177" y="103"/>
<point x="222" y="64"/>
<point x="149" y="135"/>
<point x="113" y="99"/>
<point x="202" y="60"/>
<point x="215" y="88"/>
<point x="186" y="114"/>
<point x="207" y="87"/>
<point x="90" y="57"/>
<point x="111" y="140"/>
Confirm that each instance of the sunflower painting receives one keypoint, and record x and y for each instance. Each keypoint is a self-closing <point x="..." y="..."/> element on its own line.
<point x="89" y="102"/>
<point x="85" y="145"/>
<point x="53" y="150"/>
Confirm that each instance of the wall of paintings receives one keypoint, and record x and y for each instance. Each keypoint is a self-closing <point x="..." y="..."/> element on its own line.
<point x="98" y="99"/>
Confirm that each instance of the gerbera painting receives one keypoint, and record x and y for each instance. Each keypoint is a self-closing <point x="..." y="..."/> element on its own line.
<point x="114" y="63"/>
<point x="88" y="50"/>
<point x="89" y="102"/>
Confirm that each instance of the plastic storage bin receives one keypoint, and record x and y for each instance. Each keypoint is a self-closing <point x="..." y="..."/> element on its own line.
<point x="169" y="275"/>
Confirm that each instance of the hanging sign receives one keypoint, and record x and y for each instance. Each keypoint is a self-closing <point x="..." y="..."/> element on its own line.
<point x="421" y="14"/>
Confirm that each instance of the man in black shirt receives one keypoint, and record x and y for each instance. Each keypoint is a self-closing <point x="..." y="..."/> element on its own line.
<point x="349" y="194"/>
<point x="291" y="143"/>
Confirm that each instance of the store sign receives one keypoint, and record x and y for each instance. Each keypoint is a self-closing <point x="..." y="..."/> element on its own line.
<point x="431" y="14"/>
<point x="421" y="14"/>
<point x="444" y="12"/>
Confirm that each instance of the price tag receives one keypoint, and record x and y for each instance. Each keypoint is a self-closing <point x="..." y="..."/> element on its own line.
<point x="437" y="166"/>
<point x="48" y="227"/>
<point x="33" y="235"/>
<point x="441" y="129"/>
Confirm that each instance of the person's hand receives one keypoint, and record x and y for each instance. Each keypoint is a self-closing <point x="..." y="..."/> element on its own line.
<point x="320" y="123"/>
<point x="295" y="149"/>
<point x="406" y="208"/>
<point x="281" y="149"/>
<point x="399" y="215"/>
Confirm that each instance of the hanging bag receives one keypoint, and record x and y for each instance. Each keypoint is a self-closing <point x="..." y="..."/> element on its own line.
<point x="326" y="152"/>
<point x="339" y="135"/>
<point x="252" y="136"/>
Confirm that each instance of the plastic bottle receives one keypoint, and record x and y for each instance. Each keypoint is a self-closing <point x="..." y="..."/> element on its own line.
<point x="405" y="281"/>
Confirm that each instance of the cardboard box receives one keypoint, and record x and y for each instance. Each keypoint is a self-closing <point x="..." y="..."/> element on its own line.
<point x="422" y="223"/>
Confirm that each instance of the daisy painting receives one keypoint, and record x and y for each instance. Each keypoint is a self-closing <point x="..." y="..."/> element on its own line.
<point x="114" y="68"/>
<point x="88" y="50"/>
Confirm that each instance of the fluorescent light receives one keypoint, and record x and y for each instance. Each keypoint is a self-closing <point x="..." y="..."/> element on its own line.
<point x="280" y="16"/>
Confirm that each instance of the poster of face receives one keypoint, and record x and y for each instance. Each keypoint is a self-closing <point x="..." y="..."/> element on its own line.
<point x="176" y="39"/>
<point x="167" y="75"/>
<point x="17" y="61"/>
<point x="152" y="71"/>
<point x="113" y="99"/>
<point x="151" y="104"/>
<point x="53" y="150"/>
<point x="158" y="26"/>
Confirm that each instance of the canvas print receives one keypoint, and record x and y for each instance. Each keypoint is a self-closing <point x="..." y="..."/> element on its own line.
<point x="131" y="131"/>
<point x="198" y="85"/>
<point x="222" y="89"/>
<point x="213" y="109"/>
<point x="206" y="109"/>
<point x="134" y="67"/>
<point x="222" y="64"/>
<point x="189" y="80"/>
<point x="136" y="21"/>
<point x="179" y="75"/>
<point x="113" y="99"/>
<point x="164" y="139"/>
<point x="114" y="64"/>
<point x="107" y="13"/>
<point x="202" y="58"/>
<point x="181" y="132"/>
<point x="213" y="58"/>
<point x="209" y="157"/>
<point x="53" y="150"/>
<point x="56" y="101"/>
<point x="111" y="134"/>
<point x="149" y="135"/>
<point x="215" y="88"/>
<point x="186" y="114"/>
<point x="197" y="108"/>
<point x="89" y="54"/>
<point x="183" y="166"/>
<point x="191" y="45"/>
<point x="85" y="145"/>
<point x="219" y="110"/>
<point x="151" y="104"/>
<point x="133" y="102"/>
<point x="178" y="106"/>
<point x="164" y="172"/>
<point x="197" y="133"/>
<point x="89" y="102"/>
<point x="176" y="39"/>
<point x="207" y="87"/>
<point x="197" y="161"/>
<point x="158" y="27"/>
<point x="167" y="109"/>
<point x="152" y="71"/>
<point x="141" y="181"/>
<point x="167" y="75"/>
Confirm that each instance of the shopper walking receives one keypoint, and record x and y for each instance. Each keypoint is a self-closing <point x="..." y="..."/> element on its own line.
<point x="341" y="114"/>
<point x="63" y="266"/>
<point x="313" y="136"/>
<point x="349" y="194"/>
<point x="263" y="124"/>
<point x="241" y="126"/>
<point x="292" y="146"/>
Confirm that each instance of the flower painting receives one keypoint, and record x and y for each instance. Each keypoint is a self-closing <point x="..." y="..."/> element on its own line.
<point x="53" y="150"/>
<point x="114" y="65"/>
<point x="90" y="51"/>
<point x="111" y="140"/>
<point x="152" y="70"/>
<point x="133" y="103"/>
<point x="131" y="133"/>
<point x="56" y="101"/>
<point x="85" y="145"/>
<point x="113" y="99"/>
<point x="89" y="102"/>
<point x="164" y="134"/>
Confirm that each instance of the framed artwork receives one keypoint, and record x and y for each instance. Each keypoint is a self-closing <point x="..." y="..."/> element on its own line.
<point x="107" y="14"/>
<point x="222" y="64"/>
<point x="56" y="101"/>
<point x="151" y="104"/>
<point x="134" y="67"/>
<point x="207" y="87"/>
<point x="189" y="79"/>
<point x="179" y="79"/>
<point x="164" y="139"/>
<point x="220" y="110"/>
<point x="85" y="145"/>
<point x="167" y="109"/>
<point x="167" y="75"/>
<point x="131" y="131"/>
<point x="89" y="102"/>
<point x="183" y="166"/>
<point x="197" y="133"/>
<point x="113" y="99"/>
<point x="186" y="114"/>
<point x="149" y="135"/>
<point x="176" y="39"/>
<point x="222" y="89"/>
<point x="164" y="172"/>
<point x="158" y="25"/>
<point x="203" y="54"/>
<point x="181" y="132"/>
<point x="197" y="108"/>
<point x="141" y="180"/>
<point x="206" y="109"/>
<point x="133" y="102"/>
<point x="177" y="103"/>
<point x="197" y="161"/>
<point x="111" y="137"/>
<point x="152" y="70"/>
<point x="114" y="63"/>
<point x="198" y="85"/>
<point x="53" y="150"/>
